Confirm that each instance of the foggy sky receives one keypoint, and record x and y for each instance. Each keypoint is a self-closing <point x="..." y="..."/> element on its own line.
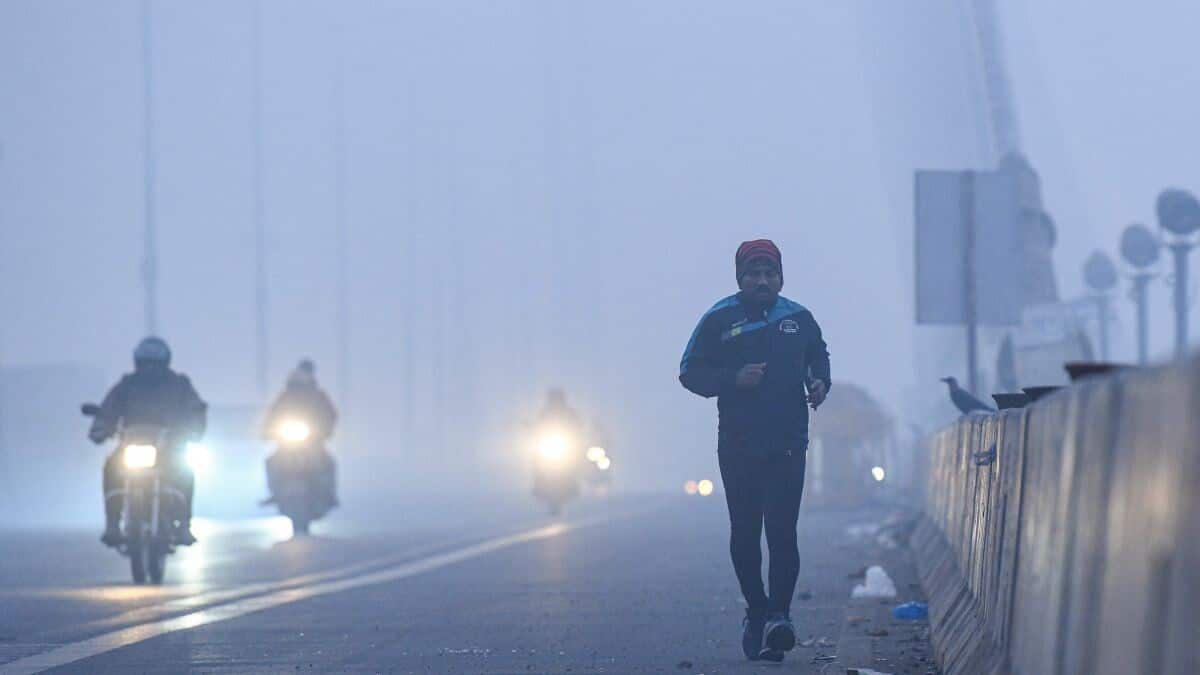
<point x="543" y="193"/>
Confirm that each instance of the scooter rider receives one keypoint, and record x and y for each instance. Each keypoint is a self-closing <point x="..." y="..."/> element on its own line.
<point x="152" y="394"/>
<point x="557" y="417"/>
<point x="557" y="412"/>
<point x="302" y="397"/>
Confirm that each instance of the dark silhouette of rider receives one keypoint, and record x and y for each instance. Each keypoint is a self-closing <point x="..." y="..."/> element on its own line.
<point x="303" y="399"/>
<point x="558" y="413"/>
<point x="152" y="395"/>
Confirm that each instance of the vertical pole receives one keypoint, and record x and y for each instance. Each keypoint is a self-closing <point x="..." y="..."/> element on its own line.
<point x="1140" y="282"/>
<point x="149" y="234"/>
<point x="260" y="234"/>
<point x="3" y="444"/>
<point x="407" y="393"/>
<point x="968" y="205"/>
<point x="1102" y="301"/>
<point x="1180" y="251"/>
<point x="343" y="236"/>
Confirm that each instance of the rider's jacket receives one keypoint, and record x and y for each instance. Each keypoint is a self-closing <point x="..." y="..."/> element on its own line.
<point x="306" y="402"/>
<point x="156" y="396"/>
<point x="561" y="417"/>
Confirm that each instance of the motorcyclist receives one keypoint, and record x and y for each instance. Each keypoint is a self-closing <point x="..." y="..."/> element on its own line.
<point x="303" y="398"/>
<point x="558" y="417"/>
<point x="559" y="414"/>
<point x="152" y="395"/>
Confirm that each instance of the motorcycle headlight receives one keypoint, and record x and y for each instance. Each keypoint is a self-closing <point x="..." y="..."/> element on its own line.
<point x="140" y="456"/>
<point x="553" y="447"/>
<point x="294" y="431"/>
<point x="595" y="454"/>
<point x="198" y="457"/>
<point x="603" y="463"/>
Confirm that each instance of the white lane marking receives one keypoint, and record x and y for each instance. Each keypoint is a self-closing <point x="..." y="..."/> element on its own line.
<point x="217" y="596"/>
<point x="107" y="642"/>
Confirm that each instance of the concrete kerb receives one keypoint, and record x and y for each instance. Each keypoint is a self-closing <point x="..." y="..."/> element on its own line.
<point x="961" y="640"/>
<point x="1073" y="543"/>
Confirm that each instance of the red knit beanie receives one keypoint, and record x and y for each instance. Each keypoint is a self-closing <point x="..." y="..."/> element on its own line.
<point x="758" y="249"/>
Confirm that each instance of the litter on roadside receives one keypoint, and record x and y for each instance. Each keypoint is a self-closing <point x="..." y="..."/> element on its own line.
<point x="876" y="585"/>
<point x="911" y="611"/>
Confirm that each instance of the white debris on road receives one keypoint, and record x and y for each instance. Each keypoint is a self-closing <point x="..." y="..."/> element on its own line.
<point x="877" y="585"/>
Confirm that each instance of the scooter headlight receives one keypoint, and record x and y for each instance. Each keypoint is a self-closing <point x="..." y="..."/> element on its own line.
<point x="553" y="448"/>
<point x="140" y="456"/>
<point x="294" y="431"/>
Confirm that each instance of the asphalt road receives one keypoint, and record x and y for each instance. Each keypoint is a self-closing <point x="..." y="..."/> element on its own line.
<point x="619" y="585"/>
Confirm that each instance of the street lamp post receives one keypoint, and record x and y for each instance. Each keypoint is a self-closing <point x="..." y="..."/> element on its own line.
<point x="149" y="225"/>
<point x="261" y="296"/>
<point x="342" y="234"/>
<point x="1140" y="248"/>
<point x="1179" y="256"/>
<point x="1179" y="213"/>
<point x="1101" y="276"/>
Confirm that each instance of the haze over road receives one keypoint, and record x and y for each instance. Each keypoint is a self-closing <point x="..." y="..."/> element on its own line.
<point x="630" y="584"/>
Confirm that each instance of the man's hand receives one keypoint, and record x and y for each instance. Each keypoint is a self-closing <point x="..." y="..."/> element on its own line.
<point x="816" y="392"/>
<point x="751" y="375"/>
<point x="98" y="434"/>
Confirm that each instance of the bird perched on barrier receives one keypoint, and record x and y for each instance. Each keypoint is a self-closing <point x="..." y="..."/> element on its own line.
<point x="963" y="399"/>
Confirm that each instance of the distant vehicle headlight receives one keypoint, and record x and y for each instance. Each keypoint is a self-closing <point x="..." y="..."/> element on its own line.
<point x="198" y="458"/>
<point x="595" y="454"/>
<point x="878" y="474"/>
<point x="140" y="456"/>
<point x="294" y="431"/>
<point x="603" y="463"/>
<point x="705" y="487"/>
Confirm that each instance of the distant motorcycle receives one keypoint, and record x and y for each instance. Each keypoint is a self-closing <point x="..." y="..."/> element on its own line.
<point x="556" y="468"/>
<point x="151" y="502"/>
<point x="300" y="475"/>
<point x="599" y="469"/>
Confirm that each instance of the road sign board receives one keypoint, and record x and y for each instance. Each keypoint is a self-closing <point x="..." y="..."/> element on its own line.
<point x="968" y="248"/>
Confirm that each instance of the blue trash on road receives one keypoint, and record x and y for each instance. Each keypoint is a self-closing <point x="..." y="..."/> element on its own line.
<point x="911" y="611"/>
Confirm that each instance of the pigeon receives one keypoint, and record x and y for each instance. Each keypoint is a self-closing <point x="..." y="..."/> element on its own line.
<point x="963" y="399"/>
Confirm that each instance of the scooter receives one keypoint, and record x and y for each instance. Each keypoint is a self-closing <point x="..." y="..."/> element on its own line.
<point x="556" y="468"/>
<point x="300" y="475"/>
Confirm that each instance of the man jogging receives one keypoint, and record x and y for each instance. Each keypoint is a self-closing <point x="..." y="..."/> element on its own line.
<point x="763" y="357"/>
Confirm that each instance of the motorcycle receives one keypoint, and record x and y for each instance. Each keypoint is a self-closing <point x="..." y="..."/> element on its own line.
<point x="150" y="501"/>
<point x="556" y="469"/>
<point x="300" y="475"/>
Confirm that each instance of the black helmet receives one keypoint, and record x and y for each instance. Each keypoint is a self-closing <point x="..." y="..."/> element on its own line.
<point x="152" y="350"/>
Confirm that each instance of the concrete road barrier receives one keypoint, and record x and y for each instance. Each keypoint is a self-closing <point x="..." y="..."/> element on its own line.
<point x="1064" y="538"/>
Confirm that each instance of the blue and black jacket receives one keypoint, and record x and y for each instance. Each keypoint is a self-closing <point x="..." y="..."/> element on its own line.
<point x="771" y="418"/>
